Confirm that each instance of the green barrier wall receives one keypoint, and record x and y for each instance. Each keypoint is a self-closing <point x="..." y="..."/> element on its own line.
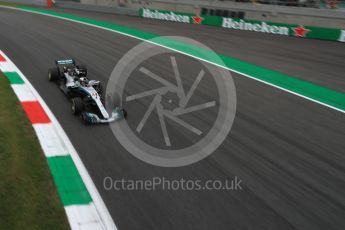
<point x="248" y="25"/>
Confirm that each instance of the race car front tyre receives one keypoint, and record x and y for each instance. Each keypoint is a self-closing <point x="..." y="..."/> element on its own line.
<point x="77" y="105"/>
<point x="53" y="74"/>
<point x="86" y="119"/>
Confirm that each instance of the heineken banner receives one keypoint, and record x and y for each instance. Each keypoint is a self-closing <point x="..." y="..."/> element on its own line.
<point x="248" y="25"/>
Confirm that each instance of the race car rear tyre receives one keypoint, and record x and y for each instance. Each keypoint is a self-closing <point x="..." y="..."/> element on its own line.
<point x="124" y="113"/>
<point x="77" y="105"/>
<point x="53" y="74"/>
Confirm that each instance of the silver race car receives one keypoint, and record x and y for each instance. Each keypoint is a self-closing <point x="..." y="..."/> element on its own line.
<point x="86" y="95"/>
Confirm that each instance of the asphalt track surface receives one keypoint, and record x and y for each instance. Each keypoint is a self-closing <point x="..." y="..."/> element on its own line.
<point x="289" y="152"/>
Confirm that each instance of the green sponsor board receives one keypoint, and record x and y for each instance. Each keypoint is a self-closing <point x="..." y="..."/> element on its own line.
<point x="257" y="26"/>
<point x="248" y="25"/>
<point x="282" y="29"/>
<point x="166" y="15"/>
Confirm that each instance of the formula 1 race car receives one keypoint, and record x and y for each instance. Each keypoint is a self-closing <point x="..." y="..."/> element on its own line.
<point x="86" y="95"/>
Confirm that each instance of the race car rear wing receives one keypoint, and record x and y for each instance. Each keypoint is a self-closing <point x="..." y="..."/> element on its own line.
<point x="65" y="62"/>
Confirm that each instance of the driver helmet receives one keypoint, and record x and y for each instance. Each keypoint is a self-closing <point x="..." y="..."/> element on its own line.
<point x="83" y="81"/>
<point x="77" y="71"/>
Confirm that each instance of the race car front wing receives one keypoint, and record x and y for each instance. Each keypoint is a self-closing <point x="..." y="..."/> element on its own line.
<point x="92" y="118"/>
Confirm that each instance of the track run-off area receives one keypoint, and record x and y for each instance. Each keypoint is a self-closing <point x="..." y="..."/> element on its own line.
<point x="286" y="143"/>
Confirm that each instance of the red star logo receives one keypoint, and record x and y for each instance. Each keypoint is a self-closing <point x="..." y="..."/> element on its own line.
<point x="300" y="31"/>
<point x="197" y="19"/>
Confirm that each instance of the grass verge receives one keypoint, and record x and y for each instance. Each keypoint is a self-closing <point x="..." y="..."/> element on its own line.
<point x="28" y="196"/>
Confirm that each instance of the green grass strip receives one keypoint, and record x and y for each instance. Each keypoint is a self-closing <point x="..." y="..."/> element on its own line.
<point x="306" y="89"/>
<point x="28" y="196"/>
<point x="69" y="183"/>
<point x="14" y="78"/>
